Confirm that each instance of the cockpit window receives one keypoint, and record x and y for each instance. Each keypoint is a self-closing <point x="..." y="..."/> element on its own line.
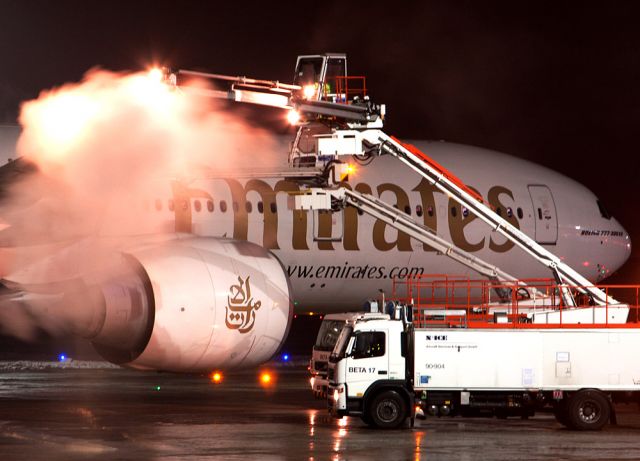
<point x="603" y="211"/>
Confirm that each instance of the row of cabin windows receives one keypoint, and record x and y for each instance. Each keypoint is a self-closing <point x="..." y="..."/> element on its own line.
<point x="209" y="204"/>
<point x="197" y="206"/>
<point x="454" y="211"/>
<point x="499" y="210"/>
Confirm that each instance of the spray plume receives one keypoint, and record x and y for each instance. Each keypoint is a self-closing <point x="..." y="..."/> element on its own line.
<point x="101" y="146"/>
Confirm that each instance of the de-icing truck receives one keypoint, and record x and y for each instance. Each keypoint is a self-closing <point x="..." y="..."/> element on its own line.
<point x="567" y="346"/>
<point x="505" y="363"/>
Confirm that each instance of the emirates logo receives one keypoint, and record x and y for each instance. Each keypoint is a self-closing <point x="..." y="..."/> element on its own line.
<point x="241" y="308"/>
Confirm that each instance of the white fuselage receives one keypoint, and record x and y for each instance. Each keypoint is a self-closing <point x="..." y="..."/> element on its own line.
<point x="364" y="255"/>
<point x="357" y="255"/>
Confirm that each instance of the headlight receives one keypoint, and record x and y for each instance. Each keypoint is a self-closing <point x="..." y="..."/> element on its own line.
<point x="336" y="395"/>
<point x="312" y="381"/>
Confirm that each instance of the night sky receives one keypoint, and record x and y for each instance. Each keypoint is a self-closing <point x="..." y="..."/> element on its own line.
<point x="553" y="82"/>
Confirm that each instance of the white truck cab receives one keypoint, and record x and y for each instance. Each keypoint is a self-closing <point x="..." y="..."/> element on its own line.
<point x="330" y="328"/>
<point x="368" y="368"/>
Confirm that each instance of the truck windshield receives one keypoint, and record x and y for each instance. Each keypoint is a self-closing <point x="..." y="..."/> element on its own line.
<point x="328" y="334"/>
<point x="308" y="71"/>
<point x="341" y="344"/>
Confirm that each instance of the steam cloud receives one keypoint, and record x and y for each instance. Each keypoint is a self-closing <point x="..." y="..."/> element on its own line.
<point x="102" y="146"/>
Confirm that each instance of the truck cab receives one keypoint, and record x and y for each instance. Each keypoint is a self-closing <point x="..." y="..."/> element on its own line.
<point x="328" y="334"/>
<point x="368" y="373"/>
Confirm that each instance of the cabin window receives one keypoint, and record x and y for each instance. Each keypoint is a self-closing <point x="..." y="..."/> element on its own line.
<point x="210" y="205"/>
<point x="520" y="213"/>
<point x="273" y="207"/>
<point x="407" y="209"/>
<point x="430" y="211"/>
<point x="197" y="206"/>
<point x="509" y="212"/>
<point x="465" y="211"/>
<point x="540" y="213"/>
<point x="419" y="211"/>
<point x="260" y="207"/>
<point x="454" y="211"/>
<point x="248" y="207"/>
<point x="223" y="206"/>
<point x="499" y="211"/>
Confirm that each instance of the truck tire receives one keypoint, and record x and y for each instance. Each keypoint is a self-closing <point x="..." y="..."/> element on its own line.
<point x="388" y="410"/>
<point x="560" y="412"/>
<point x="588" y="410"/>
<point x="366" y="419"/>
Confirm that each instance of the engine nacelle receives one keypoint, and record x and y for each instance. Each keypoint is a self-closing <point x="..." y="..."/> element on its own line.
<point x="193" y="304"/>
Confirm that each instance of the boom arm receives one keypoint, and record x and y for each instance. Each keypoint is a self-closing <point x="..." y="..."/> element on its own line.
<point x="318" y="198"/>
<point x="349" y="142"/>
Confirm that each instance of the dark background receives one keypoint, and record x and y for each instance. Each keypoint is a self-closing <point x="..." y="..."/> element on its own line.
<point x="554" y="82"/>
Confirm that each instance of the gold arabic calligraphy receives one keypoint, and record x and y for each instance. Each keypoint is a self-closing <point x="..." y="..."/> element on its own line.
<point x="241" y="310"/>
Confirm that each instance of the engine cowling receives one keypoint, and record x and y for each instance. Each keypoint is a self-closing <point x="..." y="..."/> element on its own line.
<point x="192" y="304"/>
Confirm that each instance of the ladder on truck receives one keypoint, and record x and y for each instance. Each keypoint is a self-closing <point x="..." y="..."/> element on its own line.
<point x="316" y="198"/>
<point x="352" y="127"/>
<point x="374" y="141"/>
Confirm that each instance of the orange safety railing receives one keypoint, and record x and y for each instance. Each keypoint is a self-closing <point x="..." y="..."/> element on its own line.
<point x="346" y="88"/>
<point x="458" y="302"/>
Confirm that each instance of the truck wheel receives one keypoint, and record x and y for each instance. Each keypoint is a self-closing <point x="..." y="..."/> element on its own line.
<point x="388" y="410"/>
<point x="560" y="412"/>
<point x="588" y="411"/>
<point x="366" y="419"/>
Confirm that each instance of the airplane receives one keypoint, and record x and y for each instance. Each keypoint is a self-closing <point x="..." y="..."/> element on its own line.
<point x="210" y="271"/>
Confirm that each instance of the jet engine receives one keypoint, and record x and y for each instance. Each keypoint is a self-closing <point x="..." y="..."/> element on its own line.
<point x="186" y="305"/>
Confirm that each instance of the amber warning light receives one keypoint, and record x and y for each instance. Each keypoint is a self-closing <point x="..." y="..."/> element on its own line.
<point x="267" y="379"/>
<point x="155" y="74"/>
<point x="293" y="117"/>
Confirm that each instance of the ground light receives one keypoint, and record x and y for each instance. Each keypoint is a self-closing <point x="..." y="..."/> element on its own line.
<point x="62" y="357"/>
<point x="267" y="379"/>
<point x="215" y="377"/>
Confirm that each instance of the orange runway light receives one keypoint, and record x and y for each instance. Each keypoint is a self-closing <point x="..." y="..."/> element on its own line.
<point x="216" y="377"/>
<point x="267" y="379"/>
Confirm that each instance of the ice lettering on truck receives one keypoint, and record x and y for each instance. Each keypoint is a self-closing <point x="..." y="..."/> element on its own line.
<point x="436" y="337"/>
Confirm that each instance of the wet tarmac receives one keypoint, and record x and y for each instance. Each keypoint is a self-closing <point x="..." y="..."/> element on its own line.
<point x="112" y="414"/>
